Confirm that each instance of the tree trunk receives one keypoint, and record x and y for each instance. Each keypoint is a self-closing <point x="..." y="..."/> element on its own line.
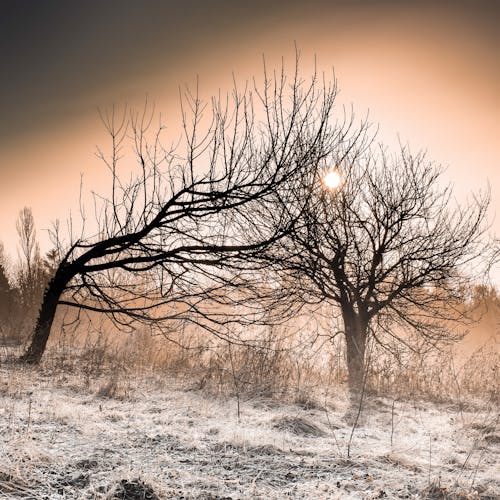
<point x="355" y="335"/>
<point x="41" y="332"/>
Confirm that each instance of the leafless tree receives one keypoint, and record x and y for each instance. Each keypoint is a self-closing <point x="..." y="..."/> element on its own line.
<point x="26" y="231"/>
<point x="31" y="276"/>
<point x="187" y="227"/>
<point x="387" y="247"/>
<point x="6" y="295"/>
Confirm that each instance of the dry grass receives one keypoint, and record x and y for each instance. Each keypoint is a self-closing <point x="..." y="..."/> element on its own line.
<point x="438" y="375"/>
<point x="59" y="439"/>
<point x="276" y="365"/>
<point x="105" y="416"/>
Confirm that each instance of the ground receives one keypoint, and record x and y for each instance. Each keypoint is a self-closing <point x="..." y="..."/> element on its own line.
<point x="157" y="437"/>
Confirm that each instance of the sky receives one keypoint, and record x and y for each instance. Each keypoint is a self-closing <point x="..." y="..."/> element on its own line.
<point x="427" y="72"/>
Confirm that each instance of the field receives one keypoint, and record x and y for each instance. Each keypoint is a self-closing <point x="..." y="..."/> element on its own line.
<point x="63" y="435"/>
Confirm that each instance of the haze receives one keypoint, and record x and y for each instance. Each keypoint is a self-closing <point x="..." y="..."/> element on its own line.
<point x="428" y="73"/>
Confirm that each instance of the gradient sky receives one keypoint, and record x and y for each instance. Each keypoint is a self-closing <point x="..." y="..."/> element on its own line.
<point x="428" y="71"/>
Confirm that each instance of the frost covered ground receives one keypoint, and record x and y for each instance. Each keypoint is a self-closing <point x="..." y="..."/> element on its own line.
<point x="157" y="438"/>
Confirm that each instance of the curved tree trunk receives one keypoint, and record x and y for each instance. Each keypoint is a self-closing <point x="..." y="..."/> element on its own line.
<point x="41" y="332"/>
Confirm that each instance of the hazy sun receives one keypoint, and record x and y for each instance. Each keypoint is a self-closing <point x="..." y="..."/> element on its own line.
<point x="332" y="179"/>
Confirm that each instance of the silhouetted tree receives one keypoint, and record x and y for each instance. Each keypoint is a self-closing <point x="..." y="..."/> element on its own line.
<point x="5" y="290"/>
<point x="9" y="299"/>
<point x="50" y="263"/>
<point x="388" y="248"/>
<point x="484" y="306"/>
<point x="31" y="276"/>
<point x="26" y="231"/>
<point x="189" y="225"/>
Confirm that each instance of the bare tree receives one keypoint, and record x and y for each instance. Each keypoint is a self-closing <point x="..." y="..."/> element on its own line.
<point x="26" y="231"/>
<point x="31" y="277"/>
<point x="381" y="240"/>
<point x="6" y="293"/>
<point x="30" y="274"/>
<point x="188" y="226"/>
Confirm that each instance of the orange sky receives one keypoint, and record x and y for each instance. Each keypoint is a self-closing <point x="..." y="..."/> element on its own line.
<point x="428" y="73"/>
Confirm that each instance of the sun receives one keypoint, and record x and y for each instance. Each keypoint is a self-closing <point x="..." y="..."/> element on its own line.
<point x="333" y="179"/>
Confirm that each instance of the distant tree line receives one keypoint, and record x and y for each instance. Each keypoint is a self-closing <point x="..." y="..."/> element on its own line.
<point x="22" y="282"/>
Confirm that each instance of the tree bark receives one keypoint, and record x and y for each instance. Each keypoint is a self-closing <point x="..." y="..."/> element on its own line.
<point x="355" y="329"/>
<point x="41" y="332"/>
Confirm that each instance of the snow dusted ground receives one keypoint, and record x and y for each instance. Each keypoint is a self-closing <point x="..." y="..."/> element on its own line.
<point x="156" y="438"/>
